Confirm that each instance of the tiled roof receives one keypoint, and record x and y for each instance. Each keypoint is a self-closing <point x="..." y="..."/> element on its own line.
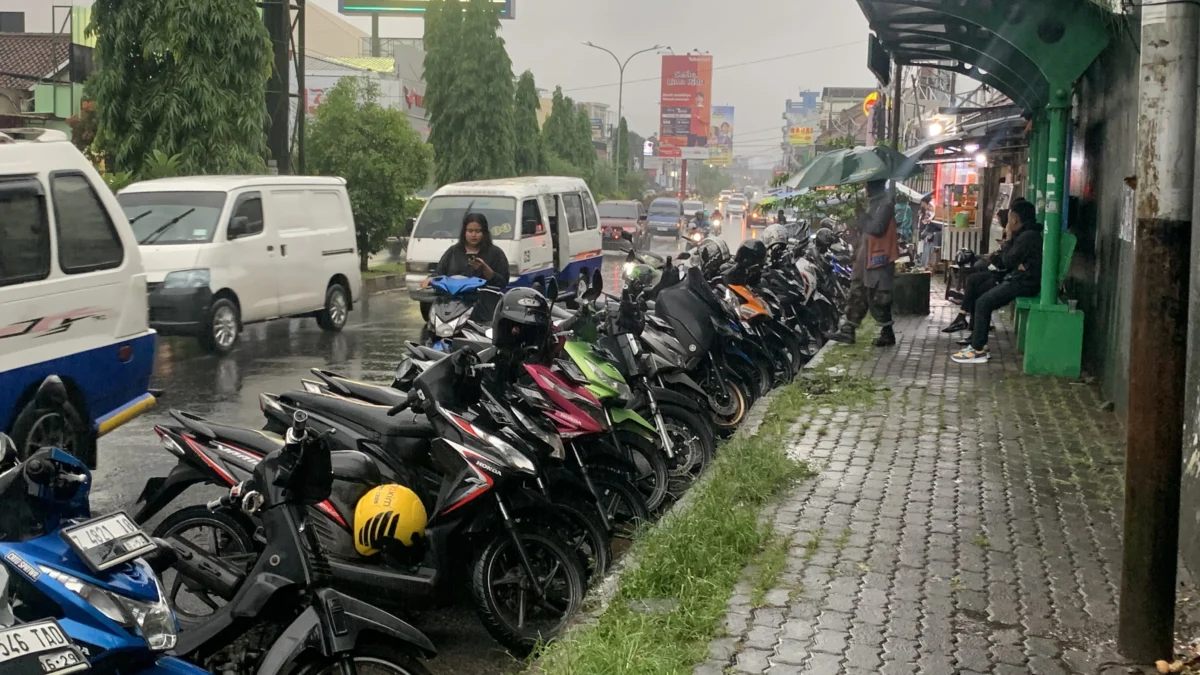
<point x="31" y="54"/>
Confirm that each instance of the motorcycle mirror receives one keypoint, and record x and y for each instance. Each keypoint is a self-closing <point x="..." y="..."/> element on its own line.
<point x="552" y="290"/>
<point x="683" y="256"/>
<point x="597" y="281"/>
<point x="8" y="449"/>
<point x="626" y="235"/>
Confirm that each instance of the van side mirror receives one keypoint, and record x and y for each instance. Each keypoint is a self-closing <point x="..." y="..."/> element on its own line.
<point x="238" y="227"/>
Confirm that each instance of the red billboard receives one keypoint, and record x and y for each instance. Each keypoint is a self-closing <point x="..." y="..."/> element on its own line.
<point x="686" y="100"/>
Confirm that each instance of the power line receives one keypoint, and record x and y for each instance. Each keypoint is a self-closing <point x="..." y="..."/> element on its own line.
<point x="731" y="65"/>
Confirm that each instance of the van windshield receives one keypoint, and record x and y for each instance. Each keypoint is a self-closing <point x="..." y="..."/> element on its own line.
<point x="664" y="209"/>
<point x="160" y="218"/>
<point x="612" y="210"/>
<point x="442" y="218"/>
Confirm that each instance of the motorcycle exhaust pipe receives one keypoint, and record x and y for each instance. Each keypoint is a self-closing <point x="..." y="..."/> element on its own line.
<point x="201" y="570"/>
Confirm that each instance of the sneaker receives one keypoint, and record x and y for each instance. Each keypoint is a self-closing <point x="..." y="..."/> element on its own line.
<point x="970" y="355"/>
<point x="844" y="335"/>
<point x="960" y="323"/>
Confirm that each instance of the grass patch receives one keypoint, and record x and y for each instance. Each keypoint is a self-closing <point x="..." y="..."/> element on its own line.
<point x="981" y="541"/>
<point x="384" y="270"/>
<point x="770" y="562"/>
<point x="696" y="556"/>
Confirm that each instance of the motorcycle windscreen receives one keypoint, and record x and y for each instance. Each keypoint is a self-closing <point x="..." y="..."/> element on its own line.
<point x="689" y="316"/>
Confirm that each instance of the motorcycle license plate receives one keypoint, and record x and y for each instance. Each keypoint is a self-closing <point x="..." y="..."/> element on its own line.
<point x="108" y="541"/>
<point x="39" y="648"/>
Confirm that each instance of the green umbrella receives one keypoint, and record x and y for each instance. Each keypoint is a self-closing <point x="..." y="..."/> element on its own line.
<point x="855" y="165"/>
<point x="767" y="201"/>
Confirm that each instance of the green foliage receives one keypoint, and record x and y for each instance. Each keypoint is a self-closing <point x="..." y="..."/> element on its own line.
<point x="530" y="155"/>
<point x="633" y="184"/>
<point x="161" y="165"/>
<point x="378" y="153"/>
<point x="585" y="152"/>
<point x="185" y="77"/>
<point x="558" y="129"/>
<point x="710" y="180"/>
<point x="602" y="180"/>
<point x="840" y="143"/>
<point x="83" y="128"/>
<point x="469" y="92"/>
<point x="116" y="181"/>
<point x="623" y="146"/>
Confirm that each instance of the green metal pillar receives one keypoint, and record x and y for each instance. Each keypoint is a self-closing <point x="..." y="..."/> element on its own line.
<point x="1031" y="176"/>
<point x="1058" y="111"/>
<point x="1043" y="167"/>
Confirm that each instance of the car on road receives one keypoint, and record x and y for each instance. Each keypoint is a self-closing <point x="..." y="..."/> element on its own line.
<point x="72" y="298"/>
<point x="618" y="216"/>
<point x="225" y="251"/>
<point x="760" y="216"/>
<point x="737" y="204"/>
<point x="666" y="217"/>
<point x="691" y="207"/>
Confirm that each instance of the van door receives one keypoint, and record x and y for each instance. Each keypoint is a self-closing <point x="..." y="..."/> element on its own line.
<point x="559" y="232"/>
<point x="582" y="251"/>
<point x="301" y="280"/>
<point x="251" y="262"/>
<point x="536" y="251"/>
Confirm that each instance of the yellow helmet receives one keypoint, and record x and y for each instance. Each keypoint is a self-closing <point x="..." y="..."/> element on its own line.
<point x="387" y="512"/>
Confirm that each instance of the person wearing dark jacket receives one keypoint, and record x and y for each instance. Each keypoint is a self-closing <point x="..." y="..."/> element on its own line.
<point x="1022" y="262"/>
<point x="874" y="272"/>
<point x="474" y="255"/>
<point x="987" y="273"/>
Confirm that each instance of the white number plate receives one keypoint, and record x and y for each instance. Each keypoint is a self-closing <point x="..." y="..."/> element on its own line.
<point x="108" y="541"/>
<point x="40" y="647"/>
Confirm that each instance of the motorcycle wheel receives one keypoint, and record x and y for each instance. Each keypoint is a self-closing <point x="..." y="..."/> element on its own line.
<point x="623" y="505"/>
<point x="512" y="614"/>
<point x="370" y="658"/>
<point x="650" y="472"/>
<point x="694" y="444"/>
<point x="586" y="534"/>
<point x="232" y="540"/>
<point x="739" y="399"/>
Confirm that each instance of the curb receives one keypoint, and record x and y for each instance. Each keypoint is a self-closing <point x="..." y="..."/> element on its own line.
<point x="383" y="284"/>
<point x="819" y="357"/>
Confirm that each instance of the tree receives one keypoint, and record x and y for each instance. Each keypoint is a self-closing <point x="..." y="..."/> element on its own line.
<point x="529" y="155"/>
<point x="184" y="77"/>
<point x="710" y="180"/>
<point x="559" y="127"/>
<point x="378" y="153"/>
<point x="583" y="149"/>
<point x="622" y="147"/>
<point x="469" y="91"/>
<point x="83" y="128"/>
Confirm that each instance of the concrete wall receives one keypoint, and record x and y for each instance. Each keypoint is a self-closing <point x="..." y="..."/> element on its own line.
<point x="1105" y="142"/>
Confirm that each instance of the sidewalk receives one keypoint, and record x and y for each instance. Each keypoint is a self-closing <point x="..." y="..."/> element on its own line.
<point x="967" y="522"/>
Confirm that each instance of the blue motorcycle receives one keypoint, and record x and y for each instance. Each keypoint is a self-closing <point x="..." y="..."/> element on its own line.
<point x="460" y="306"/>
<point x="90" y="574"/>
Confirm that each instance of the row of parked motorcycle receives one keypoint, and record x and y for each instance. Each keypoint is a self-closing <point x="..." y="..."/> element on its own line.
<point x="499" y="466"/>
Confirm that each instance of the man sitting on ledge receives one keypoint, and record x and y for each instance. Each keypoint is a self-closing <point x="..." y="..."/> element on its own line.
<point x="1024" y="261"/>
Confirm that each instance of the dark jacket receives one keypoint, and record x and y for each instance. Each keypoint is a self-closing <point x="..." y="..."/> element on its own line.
<point x="1026" y="252"/>
<point x="454" y="262"/>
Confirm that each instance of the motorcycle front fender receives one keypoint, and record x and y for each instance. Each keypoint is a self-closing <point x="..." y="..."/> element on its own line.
<point x="160" y="491"/>
<point x="663" y="395"/>
<point x="685" y="380"/>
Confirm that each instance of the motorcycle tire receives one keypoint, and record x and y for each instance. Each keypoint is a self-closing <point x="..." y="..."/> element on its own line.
<point x="737" y="392"/>
<point x="686" y="426"/>
<point x="498" y="560"/>
<point x="650" y="466"/>
<point x="623" y="505"/>
<point x="238" y="530"/>
<point x="750" y="378"/>
<point x="374" y="656"/>
<point x="587" y="534"/>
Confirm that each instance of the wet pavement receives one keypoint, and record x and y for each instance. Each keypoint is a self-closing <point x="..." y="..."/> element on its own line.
<point x="273" y="357"/>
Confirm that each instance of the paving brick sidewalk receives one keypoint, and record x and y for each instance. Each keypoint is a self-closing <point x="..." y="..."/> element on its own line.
<point x="966" y="522"/>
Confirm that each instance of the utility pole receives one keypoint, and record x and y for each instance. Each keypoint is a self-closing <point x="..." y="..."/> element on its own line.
<point x="1166" y="160"/>
<point x="376" y="48"/>
<point x="621" y="97"/>
<point x="277" y="18"/>
<point x="897" y="97"/>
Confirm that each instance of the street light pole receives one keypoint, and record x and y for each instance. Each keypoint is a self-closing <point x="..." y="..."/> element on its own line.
<point x="620" y="100"/>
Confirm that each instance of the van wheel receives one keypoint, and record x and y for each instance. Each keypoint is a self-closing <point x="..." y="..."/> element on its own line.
<point x="223" y="327"/>
<point x="337" y="309"/>
<point x="58" y="427"/>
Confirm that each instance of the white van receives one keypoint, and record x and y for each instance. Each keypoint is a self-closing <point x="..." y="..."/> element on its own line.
<point x="72" y="297"/>
<point x="224" y="251"/>
<point x="546" y="225"/>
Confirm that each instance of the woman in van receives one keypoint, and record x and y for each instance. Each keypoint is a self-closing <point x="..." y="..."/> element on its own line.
<point x="474" y="255"/>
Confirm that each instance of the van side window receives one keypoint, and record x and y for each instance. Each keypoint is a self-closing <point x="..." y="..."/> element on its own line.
<point x="25" y="231"/>
<point x="573" y="205"/>
<point x="87" y="239"/>
<point x="531" y="219"/>
<point x="247" y="218"/>
<point x="590" y="218"/>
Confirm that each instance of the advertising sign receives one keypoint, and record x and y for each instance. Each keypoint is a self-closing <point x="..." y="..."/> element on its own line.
<point x="686" y="117"/>
<point x="720" y="136"/>
<point x="414" y="8"/>
<point x="802" y="129"/>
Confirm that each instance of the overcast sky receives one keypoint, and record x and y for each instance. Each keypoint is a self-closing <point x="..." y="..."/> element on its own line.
<point x="546" y="38"/>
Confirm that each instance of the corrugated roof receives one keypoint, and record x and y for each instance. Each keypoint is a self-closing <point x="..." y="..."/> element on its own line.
<point x="379" y="64"/>
<point x="34" y="55"/>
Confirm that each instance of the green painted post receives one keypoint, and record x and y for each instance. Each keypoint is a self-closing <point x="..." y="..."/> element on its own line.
<point x="1035" y="134"/>
<point x="1043" y="167"/>
<point x="1056" y="161"/>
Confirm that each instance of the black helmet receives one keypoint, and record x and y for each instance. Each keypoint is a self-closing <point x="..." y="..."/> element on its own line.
<point x="825" y="238"/>
<point x="751" y="252"/>
<point x="522" y="321"/>
<point x="965" y="257"/>
<point x="712" y="252"/>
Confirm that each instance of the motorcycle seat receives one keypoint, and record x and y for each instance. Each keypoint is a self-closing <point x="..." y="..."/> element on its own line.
<point x="424" y="353"/>
<point x="371" y="416"/>
<point x="258" y="442"/>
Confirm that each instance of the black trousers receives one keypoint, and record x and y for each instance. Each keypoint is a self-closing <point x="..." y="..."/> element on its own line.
<point x="991" y="301"/>
<point x="976" y="285"/>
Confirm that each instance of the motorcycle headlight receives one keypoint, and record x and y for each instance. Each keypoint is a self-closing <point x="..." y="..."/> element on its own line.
<point x="629" y="268"/>
<point x="198" y="278"/>
<point x="514" y="457"/>
<point x="154" y="620"/>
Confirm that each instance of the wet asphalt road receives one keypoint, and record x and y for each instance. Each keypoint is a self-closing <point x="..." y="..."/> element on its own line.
<point x="273" y="357"/>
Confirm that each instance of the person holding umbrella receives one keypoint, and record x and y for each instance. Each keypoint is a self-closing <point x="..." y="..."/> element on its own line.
<point x="874" y="273"/>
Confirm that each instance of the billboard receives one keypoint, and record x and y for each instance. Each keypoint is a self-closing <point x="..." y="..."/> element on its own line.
<point x="802" y="129"/>
<point x="685" y="120"/>
<point x="720" y="136"/>
<point x="409" y="7"/>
